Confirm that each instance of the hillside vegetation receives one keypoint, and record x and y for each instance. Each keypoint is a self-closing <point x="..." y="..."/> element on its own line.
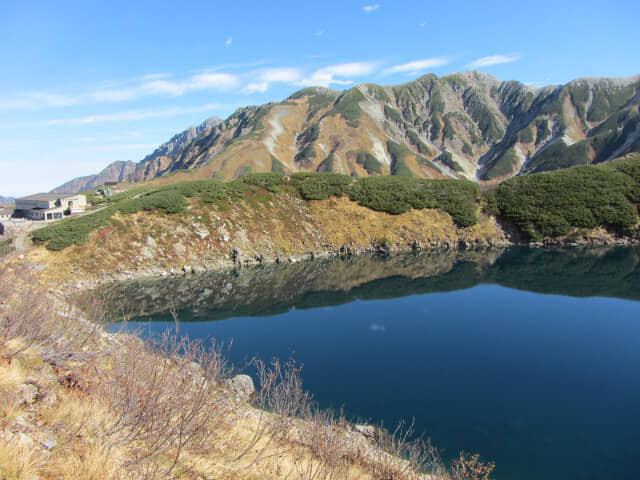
<point x="541" y="206"/>
<point x="553" y="204"/>
<point x="386" y="194"/>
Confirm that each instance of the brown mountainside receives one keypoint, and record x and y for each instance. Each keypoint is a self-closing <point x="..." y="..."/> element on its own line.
<point x="468" y="125"/>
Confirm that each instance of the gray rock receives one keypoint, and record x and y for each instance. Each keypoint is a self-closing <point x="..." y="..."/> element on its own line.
<point x="198" y="269"/>
<point x="25" y="441"/>
<point x="242" y="386"/>
<point x="368" y="431"/>
<point x="50" y="443"/>
<point x="28" y="393"/>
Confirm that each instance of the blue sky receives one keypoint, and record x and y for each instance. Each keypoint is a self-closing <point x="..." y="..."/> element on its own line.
<point x="87" y="83"/>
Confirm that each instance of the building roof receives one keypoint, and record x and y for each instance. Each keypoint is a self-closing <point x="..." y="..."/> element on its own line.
<point x="6" y="211"/>
<point x="47" y="197"/>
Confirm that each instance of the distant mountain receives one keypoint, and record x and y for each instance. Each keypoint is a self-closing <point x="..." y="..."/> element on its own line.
<point x="465" y="125"/>
<point x="125" y="171"/>
<point x="6" y="200"/>
<point x="115" y="172"/>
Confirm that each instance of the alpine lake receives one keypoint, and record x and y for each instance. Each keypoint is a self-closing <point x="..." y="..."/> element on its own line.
<point x="529" y="357"/>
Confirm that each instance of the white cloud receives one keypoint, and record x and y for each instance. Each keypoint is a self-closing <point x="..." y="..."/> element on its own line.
<point x="371" y="8"/>
<point x="327" y="76"/>
<point x="319" y="33"/>
<point x="228" y="41"/>
<point x="272" y="75"/>
<point x="150" y="85"/>
<point x="492" y="60"/>
<point x="417" y="65"/>
<point x="132" y="115"/>
<point x="36" y="100"/>
<point x="285" y="75"/>
<point x="113" y="148"/>
<point x="260" y="87"/>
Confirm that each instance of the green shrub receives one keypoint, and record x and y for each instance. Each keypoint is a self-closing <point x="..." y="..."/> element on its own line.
<point x="551" y="204"/>
<point x="398" y="154"/>
<point x="420" y="145"/>
<point x="446" y="158"/>
<point x="526" y="135"/>
<point x="166" y="200"/>
<point x="348" y="106"/>
<point x="436" y="127"/>
<point x="277" y="166"/>
<point x="542" y="129"/>
<point x="318" y="186"/>
<point x="72" y="231"/>
<point x="267" y="181"/>
<point x="393" y="114"/>
<point x="327" y="164"/>
<point x="370" y="163"/>
<point x="502" y="165"/>
<point x="559" y="155"/>
<point x="397" y="195"/>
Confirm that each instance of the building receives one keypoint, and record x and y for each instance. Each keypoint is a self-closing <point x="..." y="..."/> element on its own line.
<point x="50" y="206"/>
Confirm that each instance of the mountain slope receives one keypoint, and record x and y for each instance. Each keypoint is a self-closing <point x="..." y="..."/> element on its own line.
<point x="115" y="172"/>
<point x="468" y="125"/>
<point x="126" y="171"/>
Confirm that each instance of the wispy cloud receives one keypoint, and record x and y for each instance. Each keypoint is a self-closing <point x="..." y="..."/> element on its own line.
<point x="319" y="32"/>
<point x="146" y="86"/>
<point x="132" y="115"/>
<point x="330" y="75"/>
<point x="492" y="60"/>
<point x="228" y="41"/>
<point x="417" y="65"/>
<point x="263" y="79"/>
<point x="371" y="8"/>
<point x="113" y="148"/>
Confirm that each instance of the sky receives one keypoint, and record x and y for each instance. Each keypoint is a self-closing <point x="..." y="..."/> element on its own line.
<point x="86" y="83"/>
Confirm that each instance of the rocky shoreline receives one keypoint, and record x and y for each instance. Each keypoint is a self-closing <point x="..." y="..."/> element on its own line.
<point x="237" y="259"/>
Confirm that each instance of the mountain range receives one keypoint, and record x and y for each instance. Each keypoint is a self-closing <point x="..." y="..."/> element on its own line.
<point x="464" y="125"/>
<point x="6" y="200"/>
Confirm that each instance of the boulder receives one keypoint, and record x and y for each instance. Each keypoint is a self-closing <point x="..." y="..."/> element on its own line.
<point x="242" y="386"/>
<point x="28" y="393"/>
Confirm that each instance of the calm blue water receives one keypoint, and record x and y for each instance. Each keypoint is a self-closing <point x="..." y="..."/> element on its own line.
<point x="546" y="385"/>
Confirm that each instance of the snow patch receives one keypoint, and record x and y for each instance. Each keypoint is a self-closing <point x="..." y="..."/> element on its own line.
<point x="275" y="130"/>
<point x="379" y="151"/>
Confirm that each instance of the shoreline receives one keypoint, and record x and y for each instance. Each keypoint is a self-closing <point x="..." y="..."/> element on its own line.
<point x="237" y="260"/>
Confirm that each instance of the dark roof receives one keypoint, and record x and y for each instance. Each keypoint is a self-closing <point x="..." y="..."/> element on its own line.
<point x="47" y="197"/>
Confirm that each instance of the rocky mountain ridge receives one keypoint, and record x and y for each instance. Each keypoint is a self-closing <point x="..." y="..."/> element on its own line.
<point x="126" y="171"/>
<point x="464" y="125"/>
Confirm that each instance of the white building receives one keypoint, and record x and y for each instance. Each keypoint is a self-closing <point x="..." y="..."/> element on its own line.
<point x="50" y="206"/>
